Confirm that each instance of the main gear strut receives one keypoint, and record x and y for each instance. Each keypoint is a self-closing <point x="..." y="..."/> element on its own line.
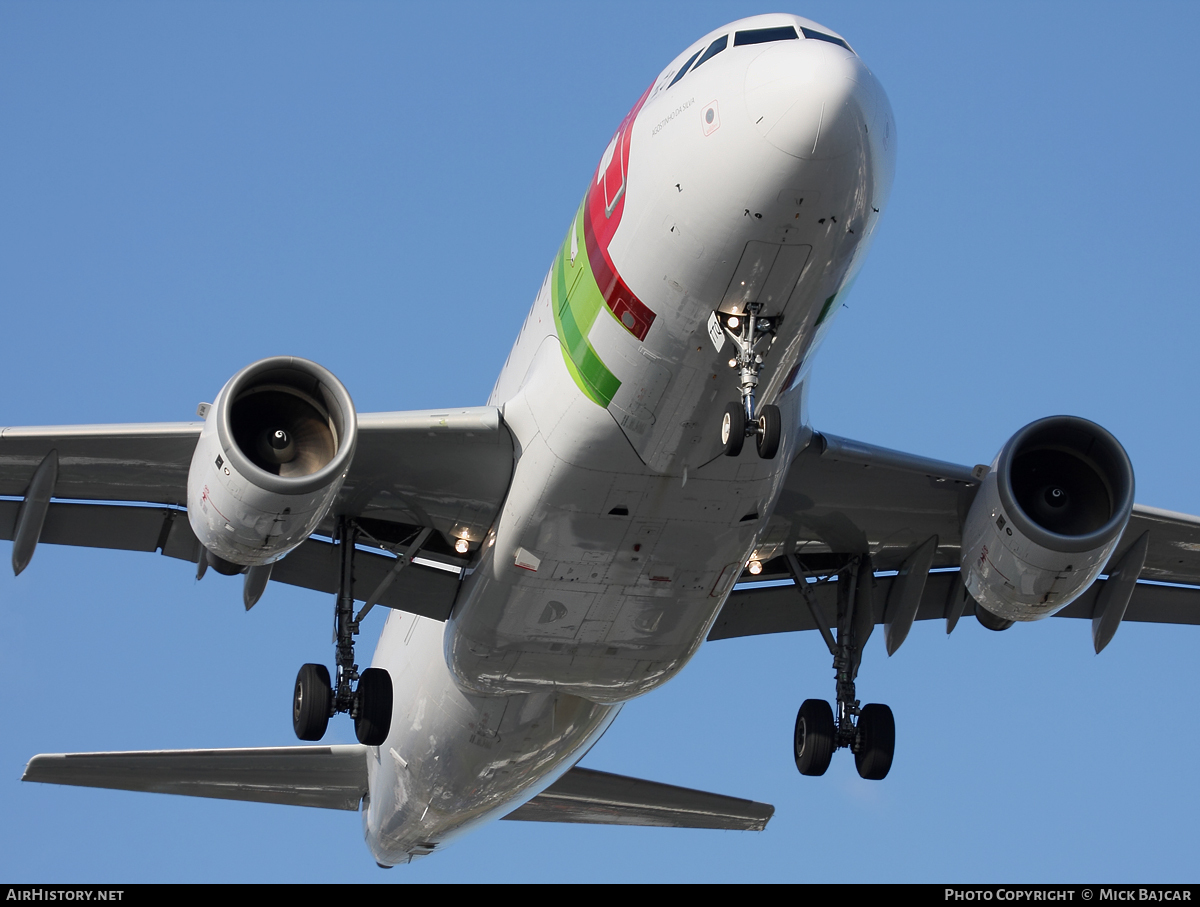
<point x="367" y="697"/>
<point x="868" y="731"/>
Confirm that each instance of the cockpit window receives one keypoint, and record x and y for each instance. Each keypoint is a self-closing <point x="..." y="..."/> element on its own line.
<point x="821" y="36"/>
<point x="713" y="49"/>
<point x="765" y="35"/>
<point x="684" y="68"/>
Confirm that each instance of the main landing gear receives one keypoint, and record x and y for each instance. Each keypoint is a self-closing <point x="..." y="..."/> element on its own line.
<point x="316" y="698"/>
<point x="748" y="331"/>
<point x="868" y="731"/>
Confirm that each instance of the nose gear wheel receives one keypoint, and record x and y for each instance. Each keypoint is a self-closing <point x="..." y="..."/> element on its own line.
<point x="748" y="332"/>
<point x="733" y="429"/>
<point x="768" y="430"/>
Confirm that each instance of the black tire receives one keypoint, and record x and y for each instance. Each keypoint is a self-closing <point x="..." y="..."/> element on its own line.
<point x="312" y="700"/>
<point x="373" y="712"/>
<point x="814" y="737"/>
<point x="877" y="741"/>
<point x="770" y="426"/>
<point x="733" y="429"/>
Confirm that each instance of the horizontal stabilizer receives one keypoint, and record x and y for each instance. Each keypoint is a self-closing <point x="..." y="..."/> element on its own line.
<point x="335" y="777"/>
<point x="598" y="798"/>
<point x="332" y="777"/>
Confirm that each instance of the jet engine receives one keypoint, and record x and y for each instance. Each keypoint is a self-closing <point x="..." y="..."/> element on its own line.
<point x="274" y="451"/>
<point x="1047" y="518"/>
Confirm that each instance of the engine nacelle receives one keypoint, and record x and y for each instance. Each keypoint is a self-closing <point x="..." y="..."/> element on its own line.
<point x="1047" y="518"/>
<point x="275" y="448"/>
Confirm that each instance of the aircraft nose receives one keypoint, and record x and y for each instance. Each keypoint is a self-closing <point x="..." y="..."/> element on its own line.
<point x="812" y="99"/>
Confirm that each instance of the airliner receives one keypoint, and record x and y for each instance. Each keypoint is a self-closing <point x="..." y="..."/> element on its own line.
<point x="643" y="477"/>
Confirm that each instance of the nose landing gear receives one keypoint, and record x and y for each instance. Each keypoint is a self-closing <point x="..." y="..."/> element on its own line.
<point x="739" y="421"/>
<point x="868" y="731"/>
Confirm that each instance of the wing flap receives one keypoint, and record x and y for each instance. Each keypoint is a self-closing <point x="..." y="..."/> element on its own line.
<point x="100" y="526"/>
<point x="422" y="590"/>
<point x="775" y="608"/>
<point x="330" y="777"/>
<point x="313" y="565"/>
<point x="587" y="796"/>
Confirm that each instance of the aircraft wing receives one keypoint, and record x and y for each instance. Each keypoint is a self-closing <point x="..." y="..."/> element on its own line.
<point x="846" y="496"/>
<point x="842" y="497"/>
<point x="435" y="468"/>
<point x="335" y="777"/>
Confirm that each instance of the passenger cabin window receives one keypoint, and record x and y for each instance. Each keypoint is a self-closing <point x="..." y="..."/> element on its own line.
<point x="765" y="35"/>
<point x="684" y="68"/>
<point x="821" y="36"/>
<point x="713" y="49"/>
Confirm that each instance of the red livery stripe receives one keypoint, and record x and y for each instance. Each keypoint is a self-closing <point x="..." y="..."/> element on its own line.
<point x="605" y="205"/>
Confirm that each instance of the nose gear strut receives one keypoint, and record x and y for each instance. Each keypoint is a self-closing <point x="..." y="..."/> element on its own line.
<point x="748" y="331"/>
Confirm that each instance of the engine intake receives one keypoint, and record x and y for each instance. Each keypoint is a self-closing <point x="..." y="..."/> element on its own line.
<point x="276" y="446"/>
<point x="1047" y="518"/>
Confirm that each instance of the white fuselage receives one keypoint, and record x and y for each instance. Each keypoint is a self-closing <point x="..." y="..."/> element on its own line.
<point x="759" y="176"/>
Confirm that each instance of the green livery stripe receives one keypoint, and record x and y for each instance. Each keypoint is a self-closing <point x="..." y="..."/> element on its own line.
<point x="825" y="310"/>
<point x="576" y="301"/>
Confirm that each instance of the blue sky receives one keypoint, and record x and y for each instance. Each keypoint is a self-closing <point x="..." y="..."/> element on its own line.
<point x="185" y="188"/>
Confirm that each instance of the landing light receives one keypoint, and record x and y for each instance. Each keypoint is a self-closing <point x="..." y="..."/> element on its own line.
<point x="733" y="363"/>
<point x="756" y="567"/>
<point x="461" y="546"/>
<point x="733" y="322"/>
